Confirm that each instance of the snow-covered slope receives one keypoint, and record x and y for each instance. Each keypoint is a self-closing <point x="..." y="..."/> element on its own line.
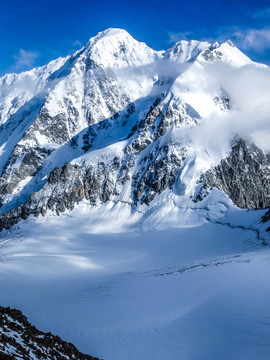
<point x="199" y="291"/>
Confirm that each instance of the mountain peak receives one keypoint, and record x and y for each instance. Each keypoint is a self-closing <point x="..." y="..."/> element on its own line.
<point x="109" y="34"/>
<point x="116" y="48"/>
<point x="186" y="50"/>
<point x="229" y="42"/>
<point x="114" y="32"/>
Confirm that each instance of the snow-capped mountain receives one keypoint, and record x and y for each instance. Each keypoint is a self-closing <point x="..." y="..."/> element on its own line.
<point x="135" y="200"/>
<point x="120" y="122"/>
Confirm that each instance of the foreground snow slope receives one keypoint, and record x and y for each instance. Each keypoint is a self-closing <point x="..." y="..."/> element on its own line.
<point x="199" y="291"/>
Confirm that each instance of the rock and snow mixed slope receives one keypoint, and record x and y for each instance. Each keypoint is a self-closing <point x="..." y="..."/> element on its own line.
<point x="152" y="158"/>
<point x="21" y="340"/>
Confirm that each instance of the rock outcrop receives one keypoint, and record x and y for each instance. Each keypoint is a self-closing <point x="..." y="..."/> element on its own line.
<point x="244" y="176"/>
<point x="21" y="340"/>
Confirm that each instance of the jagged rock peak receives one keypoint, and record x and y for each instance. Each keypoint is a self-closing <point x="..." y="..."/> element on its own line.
<point x="186" y="50"/>
<point x="229" y="42"/>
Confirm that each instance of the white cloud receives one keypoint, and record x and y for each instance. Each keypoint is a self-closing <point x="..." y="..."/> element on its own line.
<point x="249" y="117"/>
<point x="262" y="13"/>
<point x="25" y="58"/>
<point x="77" y="43"/>
<point x="177" y="36"/>
<point x="253" y="39"/>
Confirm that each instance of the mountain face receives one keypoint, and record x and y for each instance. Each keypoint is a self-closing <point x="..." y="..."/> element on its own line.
<point x="21" y="340"/>
<point x="244" y="176"/>
<point x="120" y="123"/>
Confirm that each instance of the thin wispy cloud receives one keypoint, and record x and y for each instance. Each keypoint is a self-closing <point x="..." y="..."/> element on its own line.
<point x="262" y="14"/>
<point x="253" y="39"/>
<point x="177" y="36"/>
<point x="77" y="43"/>
<point x="25" y="59"/>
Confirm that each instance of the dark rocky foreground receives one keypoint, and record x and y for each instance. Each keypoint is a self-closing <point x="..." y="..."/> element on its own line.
<point x="21" y="340"/>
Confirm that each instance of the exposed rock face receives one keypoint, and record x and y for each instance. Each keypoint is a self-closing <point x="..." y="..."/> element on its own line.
<point x="244" y="176"/>
<point x="266" y="218"/>
<point x="29" y="165"/>
<point x="66" y="187"/>
<point x="96" y="184"/>
<point x="157" y="172"/>
<point x="21" y="340"/>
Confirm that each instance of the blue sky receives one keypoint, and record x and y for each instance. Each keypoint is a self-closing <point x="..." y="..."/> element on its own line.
<point x="34" y="32"/>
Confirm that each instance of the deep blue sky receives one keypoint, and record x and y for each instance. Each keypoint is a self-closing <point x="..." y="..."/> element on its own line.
<point x="33" y="32"/>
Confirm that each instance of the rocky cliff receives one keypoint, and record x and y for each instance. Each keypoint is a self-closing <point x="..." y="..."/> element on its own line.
<point x="244" y="176"/>
<point x="21" y="340"/>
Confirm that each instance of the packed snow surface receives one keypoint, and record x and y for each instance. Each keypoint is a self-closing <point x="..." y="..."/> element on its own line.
<point x="199" y="290"/>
